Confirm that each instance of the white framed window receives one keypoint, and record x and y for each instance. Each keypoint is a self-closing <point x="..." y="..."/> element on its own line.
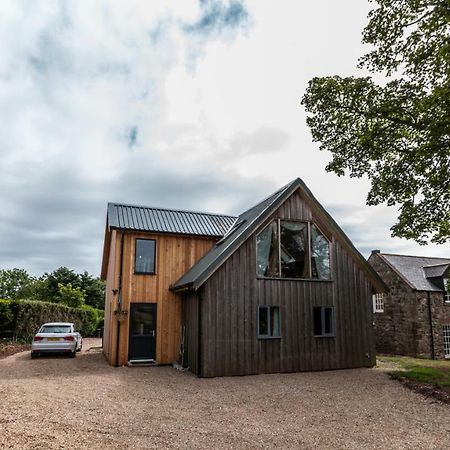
<point x="446" y="338"/>
<point x="378" y="303"/>
<point x="446" y="290"/>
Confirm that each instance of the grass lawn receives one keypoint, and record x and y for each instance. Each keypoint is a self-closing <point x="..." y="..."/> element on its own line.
<point x="425" y="375"/>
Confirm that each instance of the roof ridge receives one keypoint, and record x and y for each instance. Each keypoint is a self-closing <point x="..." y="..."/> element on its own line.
<point x="172" y="210"/>
<point x="437" y="265"/>
<point x="414" y="256"/>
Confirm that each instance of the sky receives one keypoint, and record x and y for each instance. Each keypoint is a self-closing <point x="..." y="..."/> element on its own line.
<point x="178" y="104"/>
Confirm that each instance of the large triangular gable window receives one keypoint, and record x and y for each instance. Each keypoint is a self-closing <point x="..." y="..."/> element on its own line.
<point x="292" y="249"/>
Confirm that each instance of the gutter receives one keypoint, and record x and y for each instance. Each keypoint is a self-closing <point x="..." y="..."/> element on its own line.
<point x="119" y="299"/>
<point x="430" y="320"/>
<point x="181" y="288"/>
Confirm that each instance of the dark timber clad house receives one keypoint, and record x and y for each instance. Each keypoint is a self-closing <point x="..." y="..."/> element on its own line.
<point x="413" y="318"/>
<point x="282" y="290"/>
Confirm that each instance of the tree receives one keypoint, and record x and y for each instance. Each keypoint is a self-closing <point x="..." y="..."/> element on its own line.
<point x="71" y="296"/>
<point x="13" y="281"/>
<point x="94" y="289"/>
<point x="396" y="133"/>
<point x="52" y="280"/>
<point x="47" y="287"/>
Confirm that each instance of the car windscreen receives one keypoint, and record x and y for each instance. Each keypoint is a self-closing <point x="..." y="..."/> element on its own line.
<point x="55" y="329"/>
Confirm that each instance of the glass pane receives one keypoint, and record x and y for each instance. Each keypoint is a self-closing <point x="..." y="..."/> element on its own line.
<point x="317" y="320"/>
<point x="320" y="255"/>
<point x="294" y="250"/>
<point x="145" y="256"/>
<point x="55" y="329"/>
<point x="275" y="321"/>
<point x="263" y="321"/>
<point x="267" y="264"/>
<point x="328" y="320"/>
<point x="142" y="322"/>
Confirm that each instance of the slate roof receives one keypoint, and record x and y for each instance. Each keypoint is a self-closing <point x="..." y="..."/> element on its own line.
<point x="244" y="227"/>
<point x="414" y="269"/>
<point x="436" y="271"/>
<point x="160" y="220"/>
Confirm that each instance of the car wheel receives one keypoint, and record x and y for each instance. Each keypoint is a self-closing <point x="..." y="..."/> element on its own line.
<point x="79" y="350"/>
<point x="33" y="355"/>
<point x="73" y="354"/>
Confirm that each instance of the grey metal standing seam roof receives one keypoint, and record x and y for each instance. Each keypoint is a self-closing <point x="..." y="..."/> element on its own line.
<point x="159" y="220"/>
<point x="244" y="227"/>
<point x="415" y="269"/>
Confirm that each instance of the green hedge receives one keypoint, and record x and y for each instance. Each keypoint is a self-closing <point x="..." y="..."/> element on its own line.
<point x="22" y="318"/>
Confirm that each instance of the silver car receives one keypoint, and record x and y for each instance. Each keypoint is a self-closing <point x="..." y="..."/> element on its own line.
<point x="56" y="337"/>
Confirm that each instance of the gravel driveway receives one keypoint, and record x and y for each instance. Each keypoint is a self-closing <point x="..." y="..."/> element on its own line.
<point x="84" y="403"/>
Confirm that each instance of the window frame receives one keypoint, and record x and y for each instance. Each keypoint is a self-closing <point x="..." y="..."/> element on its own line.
<point x="280" y="278"/>
<point x="446" y="282"/>
<point x="322" y="317"/>
<point x="377" y="299"/>
<point x="135" y="257"/>
<point x="446" y="340"/>
<point x="268" y="308"/>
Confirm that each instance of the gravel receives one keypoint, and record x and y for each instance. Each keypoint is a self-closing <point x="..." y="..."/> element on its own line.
<point x="59" y="403"/>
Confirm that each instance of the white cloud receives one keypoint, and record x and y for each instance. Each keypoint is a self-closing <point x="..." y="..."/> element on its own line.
<point x="182" y="104"/>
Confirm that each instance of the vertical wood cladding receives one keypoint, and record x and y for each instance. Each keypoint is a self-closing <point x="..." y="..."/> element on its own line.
<point x="175" y="254"/>
<point x="229" y="308"/>
<point x="190" y="322"/>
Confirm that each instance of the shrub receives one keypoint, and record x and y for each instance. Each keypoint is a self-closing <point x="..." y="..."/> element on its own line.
<point x="6" y="319"/>
<point x="24" y="317"/>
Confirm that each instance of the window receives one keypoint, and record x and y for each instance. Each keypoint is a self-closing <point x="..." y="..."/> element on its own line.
<point x="269" y="322"/>
<point x="446" y="290"/>
<point x="55" y="329"/>
<point x="268" y="263"/>
<point x="323" y="321"/>
<point x="320" y="254"/>
<point x="292" y="249"/>
<point x="378" y="303"/>
<point x="446" y="337"/>
<point x="145" y="256"/>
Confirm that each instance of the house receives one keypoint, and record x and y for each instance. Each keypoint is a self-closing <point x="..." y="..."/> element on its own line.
<point x="413" y="318"/>
<point x="145" y="250"/>
<point x="278" y="289"/>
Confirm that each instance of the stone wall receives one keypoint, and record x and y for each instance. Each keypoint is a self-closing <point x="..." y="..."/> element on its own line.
<point x="397" y="328"/>
<point x="441" y="317"/>
<point x="404" y="327"/>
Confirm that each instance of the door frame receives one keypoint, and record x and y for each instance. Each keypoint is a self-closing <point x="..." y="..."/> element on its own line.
<point x="155" y="309"/>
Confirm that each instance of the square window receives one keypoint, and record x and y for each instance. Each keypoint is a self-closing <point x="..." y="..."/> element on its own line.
<point x="323" y="321"/>
<point x="269" y="322"/>
<point x="378" y="303"/>
<point x="145" y="256"/>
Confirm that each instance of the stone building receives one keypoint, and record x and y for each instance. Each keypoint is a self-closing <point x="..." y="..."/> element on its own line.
<point x="413" y="318"/>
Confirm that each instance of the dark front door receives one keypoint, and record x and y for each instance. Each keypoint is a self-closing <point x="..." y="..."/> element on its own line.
<point x="142" y="345"/>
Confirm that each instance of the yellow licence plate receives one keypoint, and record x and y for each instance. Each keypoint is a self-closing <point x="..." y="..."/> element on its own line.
<point x="52" y="339"/>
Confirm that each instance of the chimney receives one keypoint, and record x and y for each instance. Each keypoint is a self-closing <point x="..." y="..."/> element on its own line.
<point x="375" y="251"/>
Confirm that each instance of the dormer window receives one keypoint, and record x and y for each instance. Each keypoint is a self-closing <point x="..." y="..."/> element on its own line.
<point x="293" y="250"/>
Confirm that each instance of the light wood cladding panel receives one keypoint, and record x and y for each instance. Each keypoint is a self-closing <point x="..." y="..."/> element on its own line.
<point x="175" y="254"/>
